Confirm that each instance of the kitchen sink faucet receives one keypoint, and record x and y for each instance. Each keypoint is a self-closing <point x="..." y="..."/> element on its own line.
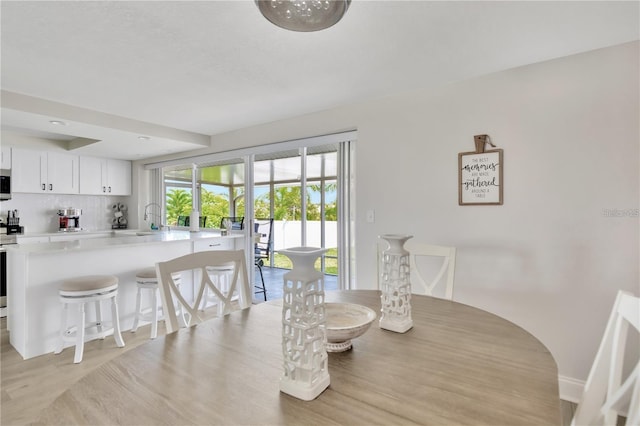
<point x="148" y="213"/>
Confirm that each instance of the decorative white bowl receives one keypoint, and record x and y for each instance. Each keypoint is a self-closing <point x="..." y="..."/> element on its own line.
<point x="346" y="321"/>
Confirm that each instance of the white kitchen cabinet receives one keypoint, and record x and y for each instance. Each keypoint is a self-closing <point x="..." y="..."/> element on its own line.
<point x="220" y="243"/>
<point x="104" y="176"/>
<point x="91" y="175"/>
<point x="44" y="172"/>
<point x="119" y="176"/>
<point x="5" y="157"/>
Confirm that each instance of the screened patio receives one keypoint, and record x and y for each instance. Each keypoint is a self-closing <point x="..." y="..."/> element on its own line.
<point x="297" y="188"/>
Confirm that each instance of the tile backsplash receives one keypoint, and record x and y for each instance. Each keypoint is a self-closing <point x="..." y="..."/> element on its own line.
<point x="38" y="212"/>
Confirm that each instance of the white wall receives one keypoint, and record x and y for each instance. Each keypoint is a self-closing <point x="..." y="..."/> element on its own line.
<point x="549" y="259"/>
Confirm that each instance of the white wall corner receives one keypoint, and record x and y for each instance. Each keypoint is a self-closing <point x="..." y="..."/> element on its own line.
<point x="570" y="388"/>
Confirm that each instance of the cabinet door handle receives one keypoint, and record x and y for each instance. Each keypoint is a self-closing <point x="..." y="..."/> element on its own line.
<point x="215" y="245"/>
<point x="109" y="189"/>
<point x="50" y="187"/>
<point x="104" y="189"/>
<point x="44" y="187"/>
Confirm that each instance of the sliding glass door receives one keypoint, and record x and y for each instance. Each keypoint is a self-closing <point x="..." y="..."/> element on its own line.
<point x="297" y="189"/>
<point x="306" y="190"/>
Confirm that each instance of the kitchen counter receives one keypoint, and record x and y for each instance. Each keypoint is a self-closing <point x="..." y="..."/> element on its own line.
<point x="105" y="233"/>
<point x="114" y="239"/>
<point x="36" y="271"/>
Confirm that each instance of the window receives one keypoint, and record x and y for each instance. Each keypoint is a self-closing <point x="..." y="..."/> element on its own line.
<point x="221" y="191"/>
<point x="306" y="186"/>
<point x="177" y="193"/>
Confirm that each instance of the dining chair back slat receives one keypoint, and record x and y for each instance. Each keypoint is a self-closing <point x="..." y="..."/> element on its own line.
<point x="197" y="265"/>
<point x="613" y="385"/>
<point x="443" y="272"/>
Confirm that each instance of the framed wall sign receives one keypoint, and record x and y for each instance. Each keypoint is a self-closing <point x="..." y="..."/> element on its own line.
<point x="480" y="177"/>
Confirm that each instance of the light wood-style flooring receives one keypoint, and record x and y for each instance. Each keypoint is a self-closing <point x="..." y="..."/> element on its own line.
<point x="28" y="387"/>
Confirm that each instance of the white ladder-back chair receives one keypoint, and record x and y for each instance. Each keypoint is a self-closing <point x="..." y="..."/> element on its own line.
<point x="197" y="264"/>
<point x="607" y="393"/>
<point x="443" y="272"/>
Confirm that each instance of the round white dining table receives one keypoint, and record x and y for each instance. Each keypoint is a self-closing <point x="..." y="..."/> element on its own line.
<point x="457" y="365"/>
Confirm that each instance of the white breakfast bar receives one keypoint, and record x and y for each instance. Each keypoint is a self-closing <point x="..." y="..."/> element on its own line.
<point x="35" y="272"/>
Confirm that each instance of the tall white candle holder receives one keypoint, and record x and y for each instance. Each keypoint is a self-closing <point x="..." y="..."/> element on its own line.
<point x="395" y="285"/>
<point x="304" y="337"/>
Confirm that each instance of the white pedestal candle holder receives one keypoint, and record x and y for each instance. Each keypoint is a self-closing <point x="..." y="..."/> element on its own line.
<point x="306" y="372"/>
<point x="395" y="285"/>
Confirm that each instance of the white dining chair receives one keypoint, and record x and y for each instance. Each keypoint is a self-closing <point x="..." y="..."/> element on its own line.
<point x="198" y="263"/>
<point x="436" y="262"/>
<point x="608" y="392"/>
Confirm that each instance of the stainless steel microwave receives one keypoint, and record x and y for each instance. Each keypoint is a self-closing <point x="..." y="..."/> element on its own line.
<point x="5" y="184"/>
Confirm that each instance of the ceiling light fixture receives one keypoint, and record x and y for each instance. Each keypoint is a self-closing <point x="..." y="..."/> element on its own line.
<point x="303" y="15"/>
<point x="57" y="123"/>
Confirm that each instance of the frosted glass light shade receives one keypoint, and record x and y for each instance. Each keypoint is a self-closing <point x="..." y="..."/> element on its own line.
<point x="303" y="15"/>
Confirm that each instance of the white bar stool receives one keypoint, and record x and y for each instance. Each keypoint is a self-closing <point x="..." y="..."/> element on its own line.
<point x="221" y="276"/>
<point x="82" y="290"/>
<point x="146" y="279"/>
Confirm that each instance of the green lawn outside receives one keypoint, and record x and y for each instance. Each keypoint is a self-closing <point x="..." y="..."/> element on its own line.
<point x="331" y="263"/>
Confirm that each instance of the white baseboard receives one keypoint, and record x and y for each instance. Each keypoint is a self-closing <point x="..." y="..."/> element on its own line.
<point x="570" y="388"/>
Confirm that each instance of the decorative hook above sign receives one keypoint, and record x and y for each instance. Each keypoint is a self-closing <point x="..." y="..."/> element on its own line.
<point x="480" y="174"/>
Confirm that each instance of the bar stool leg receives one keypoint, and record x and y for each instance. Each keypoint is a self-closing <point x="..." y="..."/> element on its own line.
<point x="63" y="328"/>
<point x="116" y="323"/>
<point x="80" y="335"/>
<point x="99" y="317"/>
<point x="154" y="313"/>
<point x="138" y="305"/>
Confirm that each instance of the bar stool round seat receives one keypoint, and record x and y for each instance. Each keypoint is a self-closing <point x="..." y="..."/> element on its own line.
<point x="147" y="274"/>
<point x="88" y="284"/>
<point x="146" y="280"/>
<point x="80" y="291"/>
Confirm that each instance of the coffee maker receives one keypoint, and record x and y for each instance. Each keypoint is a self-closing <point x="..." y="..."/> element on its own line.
<point x="69" y="220"/>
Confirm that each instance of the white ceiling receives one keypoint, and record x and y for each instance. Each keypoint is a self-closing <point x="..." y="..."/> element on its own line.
<point x="181" y="71"/>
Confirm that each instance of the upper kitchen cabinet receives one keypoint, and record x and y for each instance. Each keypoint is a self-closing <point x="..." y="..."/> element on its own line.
<point x="119" y="176"/>
<point x="103" y="176"/>
<point x="5" y="157"/>
<point x="44" y="172"/>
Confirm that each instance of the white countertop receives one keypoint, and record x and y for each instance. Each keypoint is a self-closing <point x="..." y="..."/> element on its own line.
<point x="106" y="232"/>
<point x="118" y="239"/>
<point x="83" y="232"/>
